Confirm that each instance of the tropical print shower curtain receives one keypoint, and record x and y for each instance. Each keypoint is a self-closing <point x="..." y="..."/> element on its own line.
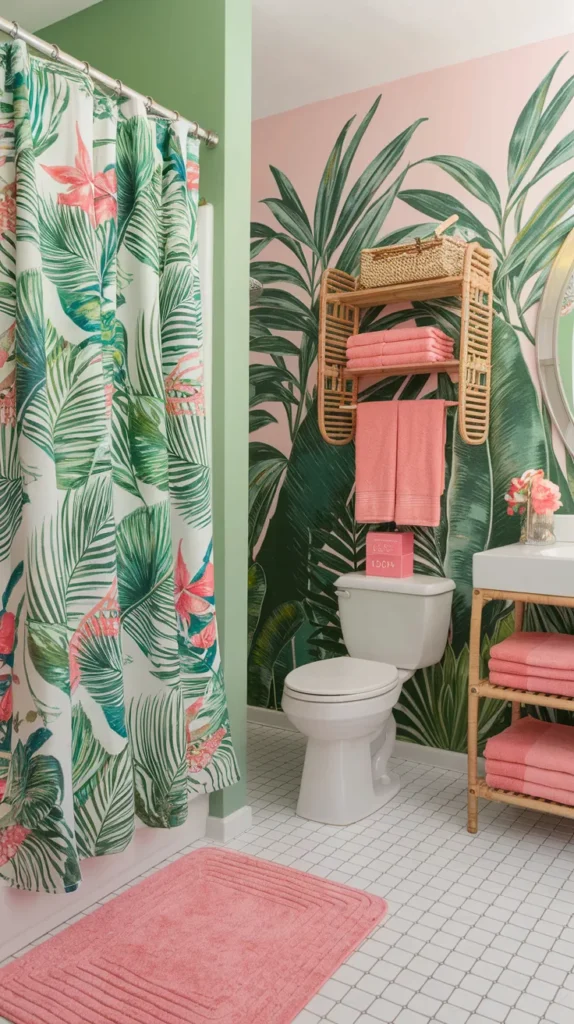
<point x="112" y="702"/>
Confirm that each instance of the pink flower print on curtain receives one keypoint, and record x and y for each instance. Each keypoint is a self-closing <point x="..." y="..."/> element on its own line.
<point x="192" y="176"/>
<point x="199" y="745"/>
<point x="94" y="194"/>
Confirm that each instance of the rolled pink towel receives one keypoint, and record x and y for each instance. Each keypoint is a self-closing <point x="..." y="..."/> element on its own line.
<point x="525" y="773"/>
<point x="544" y="650"/>
<point x="535" y="684"/>
<point x="398" y="334"/>
<point x="404" y="359"/>
<point x="537" y="744"/>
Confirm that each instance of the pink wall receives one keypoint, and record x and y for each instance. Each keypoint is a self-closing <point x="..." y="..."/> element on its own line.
<point x="472" y="109"/>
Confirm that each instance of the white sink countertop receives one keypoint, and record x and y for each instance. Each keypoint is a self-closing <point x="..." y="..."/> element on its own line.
<point x="529" y="568"/>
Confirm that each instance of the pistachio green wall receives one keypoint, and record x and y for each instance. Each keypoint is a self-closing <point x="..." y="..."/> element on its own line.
<point x="195" y="56"/>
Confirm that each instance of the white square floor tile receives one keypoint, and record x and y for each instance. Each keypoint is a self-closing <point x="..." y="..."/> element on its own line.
<point x="480" y="929"/>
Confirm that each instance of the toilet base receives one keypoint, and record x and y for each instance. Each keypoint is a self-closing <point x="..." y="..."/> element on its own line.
<point x="346" y="780"/>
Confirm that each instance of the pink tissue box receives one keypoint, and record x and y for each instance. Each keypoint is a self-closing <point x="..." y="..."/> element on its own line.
<point x="390" y="554"/>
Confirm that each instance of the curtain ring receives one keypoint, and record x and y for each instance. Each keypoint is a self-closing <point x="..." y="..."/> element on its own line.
<point x="149" y="103"/>
<point x="177" y="116"/>
<point x="55" y="52"/>
<point x="15" y="30"/>
<point x="119" y="87"/>
<point x="194" y="129"/>
<point x="87" y="68"/>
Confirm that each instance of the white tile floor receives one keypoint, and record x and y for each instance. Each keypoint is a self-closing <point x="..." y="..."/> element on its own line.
<point x="480" y="928"/>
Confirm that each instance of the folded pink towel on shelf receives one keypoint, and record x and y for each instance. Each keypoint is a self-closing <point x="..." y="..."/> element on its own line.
<point x="558" y="796"/>
<point x="401" y="348"/>
<point x="404" y="359"/>
<point x="525" y="773"/>
<point x="397" y="334"/>
<point x="517" y="668"/>
<point x="537" y="744"/>
<point x="376" y="461"/>
<point x="546" y="650"/>
<point x="420" y="462"/>
<point x="536" y="684"/>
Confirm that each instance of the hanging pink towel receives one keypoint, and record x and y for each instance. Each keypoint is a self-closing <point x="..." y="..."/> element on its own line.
<point x="537" y="744"/>
<point x="406" y="359"/>
<point x="517" y="668"/>
<point x="536" y="684"/>
<point x="396" y="334"/>
<point x="545" y="650"/>
<point x="420" y="462"/>
<point x="559" y="796"/>
<point x="525" y="773"/>
<point x="376" y="462"/>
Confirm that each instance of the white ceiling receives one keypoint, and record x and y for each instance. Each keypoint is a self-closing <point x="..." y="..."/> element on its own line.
<point x="308" y="50"/>
<point x="35" y="14"/>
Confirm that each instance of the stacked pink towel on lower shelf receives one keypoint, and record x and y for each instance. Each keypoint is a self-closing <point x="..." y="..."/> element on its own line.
<point x="401" y="346"/>
<point x="541" y="662"/>
<point x="535" y="758"/>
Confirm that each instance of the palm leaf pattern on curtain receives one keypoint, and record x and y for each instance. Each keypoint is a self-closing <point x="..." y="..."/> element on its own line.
<point x="108" y="637"/>
<point x="300" y="532"/>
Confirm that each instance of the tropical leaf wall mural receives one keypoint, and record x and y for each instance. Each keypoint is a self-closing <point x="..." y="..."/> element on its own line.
<point x="302" y="528"/>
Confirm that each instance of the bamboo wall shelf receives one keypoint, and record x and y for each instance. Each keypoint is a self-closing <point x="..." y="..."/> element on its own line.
<point x="478" y="688"/>
<point x="450" y="366"/>
<point x="339" y="316"/>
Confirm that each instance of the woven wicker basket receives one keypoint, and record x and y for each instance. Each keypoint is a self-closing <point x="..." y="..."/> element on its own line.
<point x="416" y="261"/>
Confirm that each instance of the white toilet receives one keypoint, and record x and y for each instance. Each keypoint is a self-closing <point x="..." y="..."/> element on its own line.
<point x="343" y="705"/>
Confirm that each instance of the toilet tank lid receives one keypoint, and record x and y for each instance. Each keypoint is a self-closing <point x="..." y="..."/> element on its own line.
<point x="425" y="586"/>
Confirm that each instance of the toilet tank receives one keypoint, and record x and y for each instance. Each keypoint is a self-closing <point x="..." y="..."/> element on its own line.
<point x="403" y="622"/>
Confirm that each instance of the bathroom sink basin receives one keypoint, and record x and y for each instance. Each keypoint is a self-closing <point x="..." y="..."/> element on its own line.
<point x="527" y="569"/>
<point x="558" y="551"/>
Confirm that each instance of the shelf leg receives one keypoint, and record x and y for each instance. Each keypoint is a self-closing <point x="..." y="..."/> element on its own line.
<point x="473" y="699"/>
<point x="518" y="621"/>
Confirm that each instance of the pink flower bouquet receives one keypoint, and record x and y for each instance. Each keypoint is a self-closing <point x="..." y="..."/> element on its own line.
<point x="532" y="493"/>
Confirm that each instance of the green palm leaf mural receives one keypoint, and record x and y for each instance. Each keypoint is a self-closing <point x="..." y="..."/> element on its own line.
<point x="302" y="532"/>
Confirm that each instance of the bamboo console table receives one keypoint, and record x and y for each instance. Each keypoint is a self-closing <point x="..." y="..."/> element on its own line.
<point x="477" y="688"/>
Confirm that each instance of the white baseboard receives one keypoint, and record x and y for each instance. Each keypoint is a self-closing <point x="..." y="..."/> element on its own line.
<point x="273" y="719"/>
<point x="434" y="756"/>
<point x="222" y="830"/>
<point x="26" y="916"/>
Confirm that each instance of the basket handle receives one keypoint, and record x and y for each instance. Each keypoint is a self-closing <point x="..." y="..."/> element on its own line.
<point x="445" y="224"/>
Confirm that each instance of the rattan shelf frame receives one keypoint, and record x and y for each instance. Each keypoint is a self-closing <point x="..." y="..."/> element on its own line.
<point x="479" y="688"/>
<point x="341" y="301"/>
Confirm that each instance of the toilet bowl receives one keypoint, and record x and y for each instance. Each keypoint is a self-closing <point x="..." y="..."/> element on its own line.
<point x="344" y="705"/>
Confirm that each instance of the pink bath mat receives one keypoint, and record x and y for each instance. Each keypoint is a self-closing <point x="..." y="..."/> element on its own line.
<point x="215" y="937"/>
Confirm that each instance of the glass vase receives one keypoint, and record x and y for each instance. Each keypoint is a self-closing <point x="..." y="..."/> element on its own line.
<point x="537" y="528"/>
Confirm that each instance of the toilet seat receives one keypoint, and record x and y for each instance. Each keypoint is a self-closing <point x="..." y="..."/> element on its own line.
<point x="339" y="680"/>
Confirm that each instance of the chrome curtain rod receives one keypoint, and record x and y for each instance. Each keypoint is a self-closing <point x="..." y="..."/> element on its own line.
<point x="12" y="28"/>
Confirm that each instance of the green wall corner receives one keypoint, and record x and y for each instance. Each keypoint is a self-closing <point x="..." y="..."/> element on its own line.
<point x="195" y="56"/>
